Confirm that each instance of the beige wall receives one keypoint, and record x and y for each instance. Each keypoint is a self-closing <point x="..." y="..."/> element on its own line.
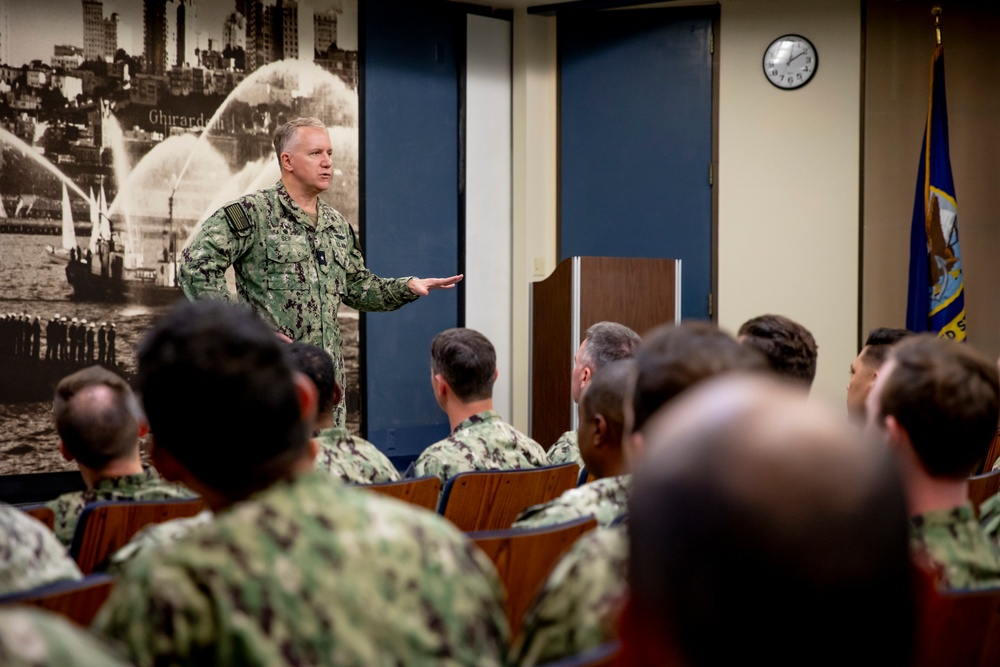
<point x="900" y="40"/>
<point x="788" y="177"/>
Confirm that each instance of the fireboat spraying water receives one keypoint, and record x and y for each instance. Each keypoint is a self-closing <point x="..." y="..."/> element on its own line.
<point x="115" y="272"/>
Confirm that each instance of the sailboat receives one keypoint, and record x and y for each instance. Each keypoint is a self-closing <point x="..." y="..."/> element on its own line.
<point x="61" y="255"/>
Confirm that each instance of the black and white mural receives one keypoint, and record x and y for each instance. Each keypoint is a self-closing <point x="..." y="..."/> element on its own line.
<point x="123" y="124"/>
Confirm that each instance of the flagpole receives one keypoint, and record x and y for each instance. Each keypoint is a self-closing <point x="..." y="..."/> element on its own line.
<point x="936" y="13"/>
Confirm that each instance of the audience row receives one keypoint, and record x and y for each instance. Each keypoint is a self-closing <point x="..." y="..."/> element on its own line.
<point x="727" y="501"/>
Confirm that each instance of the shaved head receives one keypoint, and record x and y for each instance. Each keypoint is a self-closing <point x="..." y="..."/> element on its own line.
<point x="768" y="515"/>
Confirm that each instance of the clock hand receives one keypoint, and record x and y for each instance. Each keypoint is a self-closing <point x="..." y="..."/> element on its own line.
<point x="796" y="56"/>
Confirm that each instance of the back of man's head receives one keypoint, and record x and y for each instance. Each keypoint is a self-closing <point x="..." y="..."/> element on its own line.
<point x="760" y="526"/>
<point x="467" y="361"/>
<point x="789" y="347"/>
<point x="317" y="364"/>
<point x="880" y="340"/>
<point x="605" y="396"/>
<point x="673" y="358"/>
<point x="97" y="416"/>
<point x="609" y="341"/>
<point x="218" y="389"/>
<point x="946" y="396"/>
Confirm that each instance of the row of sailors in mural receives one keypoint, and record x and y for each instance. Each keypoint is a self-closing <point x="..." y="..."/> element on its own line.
<point x="66" y="339"/>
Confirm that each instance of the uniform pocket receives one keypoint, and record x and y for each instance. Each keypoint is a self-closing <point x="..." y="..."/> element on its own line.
<point x="288" y="265"/>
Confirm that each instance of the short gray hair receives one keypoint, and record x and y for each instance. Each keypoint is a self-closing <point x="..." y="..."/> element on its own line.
<point x="283" y="135"/>
<point x="607" y="342"/>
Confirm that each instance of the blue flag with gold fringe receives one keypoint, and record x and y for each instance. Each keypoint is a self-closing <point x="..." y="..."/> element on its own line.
<point x="936" y="299"/>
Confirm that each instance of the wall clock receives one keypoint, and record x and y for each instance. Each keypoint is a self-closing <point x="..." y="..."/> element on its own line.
<point x="790" y="62"/>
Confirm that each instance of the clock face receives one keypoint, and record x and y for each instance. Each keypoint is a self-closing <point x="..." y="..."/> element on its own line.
<point x="790" y="62"/>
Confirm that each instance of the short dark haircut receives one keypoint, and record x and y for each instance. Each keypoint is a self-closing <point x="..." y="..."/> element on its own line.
<point x="947" y="397"/>
<point x="605" y="394"/>
<point x="317" y="364"/>
<point x="673" y="358"/>
<point x="879" y="342"/>
<point x="96" y="429"/>
<point x="789" y="347"/>
<point x="757" y="515"/>
<point x="467" y="361"/>
<point x="217" y="384"/>
<point x="609" y="341"/>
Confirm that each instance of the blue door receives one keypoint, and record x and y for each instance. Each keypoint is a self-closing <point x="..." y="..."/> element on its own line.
<point x="635" y="130"/>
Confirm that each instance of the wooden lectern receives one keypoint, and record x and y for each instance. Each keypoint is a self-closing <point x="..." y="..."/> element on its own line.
<point x="639" y="293"/>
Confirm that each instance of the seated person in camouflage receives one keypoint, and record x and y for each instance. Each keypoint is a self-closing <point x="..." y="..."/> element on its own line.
<point x="353" y="459"/>
<point x="296" y="568"/>
<point x="463" y="370"/>
<point x="867" y="365"/>
<point x="30" y="555"/>
<point x="99" y="422"/>
<point x="605" y="498"/>
<point x="936" y="402"/>
<point x="32" y="637"/>
<point x="764" y="530"/>
<point x="604" y="342"/>
<point x="789" y="347"/>
<point x="578" y="605"/>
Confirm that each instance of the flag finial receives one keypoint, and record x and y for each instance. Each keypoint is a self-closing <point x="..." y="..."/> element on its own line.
<point x="936" y="13"/>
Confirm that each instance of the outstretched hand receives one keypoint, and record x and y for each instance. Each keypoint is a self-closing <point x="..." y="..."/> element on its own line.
<point x="423" y="286"/>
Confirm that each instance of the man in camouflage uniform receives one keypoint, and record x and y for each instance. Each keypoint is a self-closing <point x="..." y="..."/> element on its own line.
<point x="296" y="567"/>
<point x="579" y="603"/>
<point x="99" y="422"/>
<point x="463" y="370"/>
<point x="937" y="403"/>
<point x="604" y="342"/>
<point x="605" y="498"/>
<point x="294" y="256"/>
<point x="32" y="637"/>
<point x="30" y="555"/>
<point x="761" y="526"/>
<point x="353" y="459"/>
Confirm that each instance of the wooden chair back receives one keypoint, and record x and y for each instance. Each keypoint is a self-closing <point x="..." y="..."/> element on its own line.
<point x="40" y="512"/>
<point x="992" y="454"/>
<point x="422" y="491"/>
<point x="524" y="558"/>
<point x="983" y="486"/>
<point x="605" y="655"/>
<point x="492" y="499"/>
<point x="956" y="628"/>
<point x="76" y="600"/>
<point x="106" y="526"/>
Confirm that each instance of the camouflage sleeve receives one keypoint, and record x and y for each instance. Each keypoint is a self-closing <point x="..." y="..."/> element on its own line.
<point x="32" y="637"/>
<point x="217" y="245"/>
<point x="67" y="509"/>
<point x="367" y="292"/>
<point x="428" y="465"/>
<point x="158" y="615"/>
<point x="989" y="517"/>
<point x="539" y="515"/>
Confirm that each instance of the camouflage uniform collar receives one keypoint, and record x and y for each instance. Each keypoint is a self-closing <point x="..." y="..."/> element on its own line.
<point x="478" y="418"/>
<point x="112" y="483"/>
<point x="295" y="211"/>
<point x="944" y="517"/>
<point x="334" y="433"/>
